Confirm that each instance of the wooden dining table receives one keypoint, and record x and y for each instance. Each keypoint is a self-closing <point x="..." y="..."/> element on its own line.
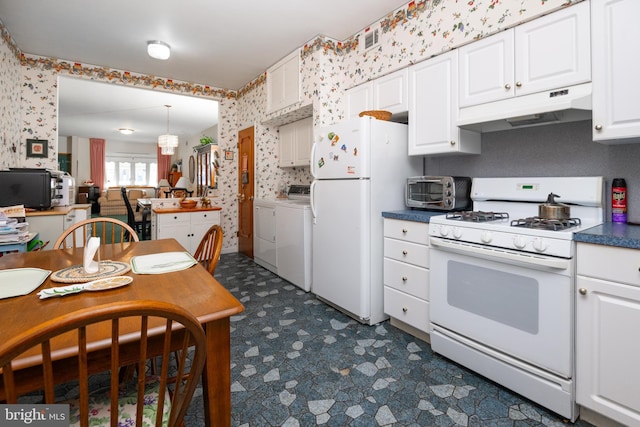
<point x="193" y="288"/>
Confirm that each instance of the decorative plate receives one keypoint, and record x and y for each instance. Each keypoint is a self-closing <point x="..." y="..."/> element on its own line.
<point x="76" y="273"/>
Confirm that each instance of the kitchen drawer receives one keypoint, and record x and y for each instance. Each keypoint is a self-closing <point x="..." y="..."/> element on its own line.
<point x="609" y="263"/>
<point x="210" y="217"/>
<point x="417" y="232"/>
<point x="406" y="308"/>
<point x="406" y="278"/>
<point x="174" y="218"/>
<point x="407" y="252"/>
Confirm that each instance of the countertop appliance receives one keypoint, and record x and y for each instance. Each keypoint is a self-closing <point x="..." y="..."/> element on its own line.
<point x="33" y="188"/>
<point x="360" y="168"/>
<point x="502" y="284"/>
<point x="438" y="193"/>
<point x="64" y="190"/>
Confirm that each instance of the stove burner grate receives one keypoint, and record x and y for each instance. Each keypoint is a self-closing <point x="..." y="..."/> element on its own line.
<point x="477" y="216"/>
<point x="546" y="224"/>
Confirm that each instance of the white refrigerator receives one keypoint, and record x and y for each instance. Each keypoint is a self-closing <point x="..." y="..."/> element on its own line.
<point x="360" y="169"/>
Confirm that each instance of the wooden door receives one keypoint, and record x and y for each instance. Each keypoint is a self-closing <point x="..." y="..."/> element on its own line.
<point x="245" y="191"/>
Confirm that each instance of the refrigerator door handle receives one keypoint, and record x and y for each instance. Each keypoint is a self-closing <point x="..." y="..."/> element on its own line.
<point x="313" y="160"/>
<point x="313" y="206"/>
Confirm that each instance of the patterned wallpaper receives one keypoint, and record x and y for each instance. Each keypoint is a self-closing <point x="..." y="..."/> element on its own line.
<point x="415" y="32"/>
<point x="10" y="89"/>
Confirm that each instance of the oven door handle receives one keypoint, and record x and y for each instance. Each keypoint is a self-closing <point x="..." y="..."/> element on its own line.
<point x="493" y="253"/>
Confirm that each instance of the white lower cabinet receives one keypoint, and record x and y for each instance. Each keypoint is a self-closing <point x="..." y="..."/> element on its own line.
<point x="50" y="224"/>
<point x="607" y="322"/>
<point x="187" y="228"/>
<point x="406" y="275"/>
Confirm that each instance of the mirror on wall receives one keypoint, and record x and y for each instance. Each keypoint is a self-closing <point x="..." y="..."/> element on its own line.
<point x="129" y="119"/>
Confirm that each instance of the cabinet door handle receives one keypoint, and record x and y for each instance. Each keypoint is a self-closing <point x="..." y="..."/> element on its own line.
<point x="404" y="253"/>
<point x="405" y="309"/>
<point x="518" y="84"/>
<point x="404" y="231"/>
<point x="598" y="127"/>
<point x="404" y="279"/>
<point x="583" y="291"/>
<point x="507" y="86"/>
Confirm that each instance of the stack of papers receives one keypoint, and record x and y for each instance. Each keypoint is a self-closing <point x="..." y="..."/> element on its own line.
<point x="12" y="231"/>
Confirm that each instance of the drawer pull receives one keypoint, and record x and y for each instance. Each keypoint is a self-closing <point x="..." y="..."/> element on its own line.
<point x="405" y="309"/>
<point x="404" y="253"/>
<point x="404" y="231"/>
<point x="404" y="279"/>
<point x="583" y="291"/>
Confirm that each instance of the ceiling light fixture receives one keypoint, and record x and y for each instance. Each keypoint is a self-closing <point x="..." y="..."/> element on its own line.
<point x="167" y="142"/>
<point x="125" y="131"/>
<point x="158" y="50"/>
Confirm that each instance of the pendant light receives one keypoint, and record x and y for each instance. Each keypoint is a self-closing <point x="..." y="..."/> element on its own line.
<point x="167" y="142"/>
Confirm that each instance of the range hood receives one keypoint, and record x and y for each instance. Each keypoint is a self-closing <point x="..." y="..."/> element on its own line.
<point x="568" y="104"/>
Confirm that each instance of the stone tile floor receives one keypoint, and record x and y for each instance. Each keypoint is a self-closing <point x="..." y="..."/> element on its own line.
<point x="298" y="362"/>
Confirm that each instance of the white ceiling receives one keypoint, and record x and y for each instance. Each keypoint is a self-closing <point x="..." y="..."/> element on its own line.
<point x="223" y="44"/>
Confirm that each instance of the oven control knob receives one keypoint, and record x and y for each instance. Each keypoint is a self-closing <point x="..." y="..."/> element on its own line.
<point x="539" y="244"/>
<point x="444" y="230"/>
<point x="457" y="233"/>
<point x="486" y="237"/>
<point x="519" y="242"/>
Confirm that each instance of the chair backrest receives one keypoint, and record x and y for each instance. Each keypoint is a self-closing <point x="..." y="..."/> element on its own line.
<point x="112" y="317"/>
<point x="131" y="217"/>
<point x="110" y="230"/>
<point x="208" y="252"/>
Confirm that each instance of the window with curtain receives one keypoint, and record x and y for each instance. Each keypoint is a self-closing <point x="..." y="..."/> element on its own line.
<point x="120" y="170"/>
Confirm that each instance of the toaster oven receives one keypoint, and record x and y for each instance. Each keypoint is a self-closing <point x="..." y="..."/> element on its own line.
<point x="439" y="193"/>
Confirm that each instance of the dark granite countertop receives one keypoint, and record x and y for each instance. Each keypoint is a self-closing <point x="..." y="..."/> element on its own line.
<point x="416" y="215"/>
<point x="611" y="234"/>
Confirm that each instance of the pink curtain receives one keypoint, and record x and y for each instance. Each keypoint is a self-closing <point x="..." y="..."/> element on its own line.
<point x="97" y="151"/>
<point x="164" y="165"/>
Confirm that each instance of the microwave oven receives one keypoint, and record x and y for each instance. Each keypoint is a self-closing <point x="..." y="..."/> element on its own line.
<point x="33" y="188"/>
<point x="439" y="193"/>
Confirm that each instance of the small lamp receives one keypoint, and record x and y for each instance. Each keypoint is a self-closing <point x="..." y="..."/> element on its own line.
<point x="182" y="183"/>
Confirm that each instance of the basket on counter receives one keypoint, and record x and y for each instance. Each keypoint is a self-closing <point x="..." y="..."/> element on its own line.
<point x="377" y="114"/>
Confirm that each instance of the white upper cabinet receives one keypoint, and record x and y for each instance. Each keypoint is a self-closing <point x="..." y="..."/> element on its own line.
<point x="547" y="53"/>
<point x="389" y="93"/>
<point x="295" y="144"/>
<point x="433" y="109"/>
<point x="615" y="31"/>
<point x="283" y="83"/>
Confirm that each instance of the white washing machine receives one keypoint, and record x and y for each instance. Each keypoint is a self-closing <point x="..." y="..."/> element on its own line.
<point x="293" y="242"/>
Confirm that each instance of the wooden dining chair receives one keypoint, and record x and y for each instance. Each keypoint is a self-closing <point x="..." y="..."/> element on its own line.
<point x="110" y="230"/>
<point x="208" y="252"/>
<point x="150" y="400"/>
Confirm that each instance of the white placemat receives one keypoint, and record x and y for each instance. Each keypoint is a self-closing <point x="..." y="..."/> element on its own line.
<point x="164" y="262"/>
<point x="21" y="281"/>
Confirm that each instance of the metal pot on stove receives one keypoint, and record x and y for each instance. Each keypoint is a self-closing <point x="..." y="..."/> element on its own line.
<point x="554" y="210"/>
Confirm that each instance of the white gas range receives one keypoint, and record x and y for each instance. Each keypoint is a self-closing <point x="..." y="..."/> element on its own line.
<point x="502" y="284"/>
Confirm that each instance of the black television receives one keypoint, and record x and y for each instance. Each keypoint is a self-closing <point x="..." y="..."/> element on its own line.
<point x="32" y="188"/>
